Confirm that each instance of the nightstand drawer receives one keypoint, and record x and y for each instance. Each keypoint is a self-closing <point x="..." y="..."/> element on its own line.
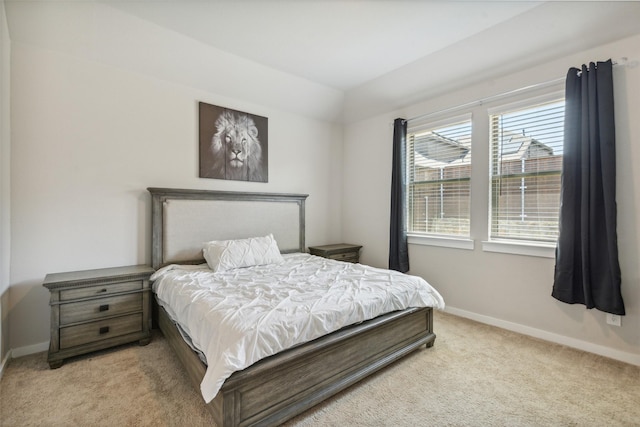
<point x="97" y="331"/>
<point x="98" y="308"/>
<point x="348" y="257"/>
<point x="100" y="290"/>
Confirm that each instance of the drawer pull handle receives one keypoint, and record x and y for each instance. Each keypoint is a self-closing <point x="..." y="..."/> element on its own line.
<point x="101" y="291"/>
<point x="104" y="330"/>
<point x="104" y="307"/>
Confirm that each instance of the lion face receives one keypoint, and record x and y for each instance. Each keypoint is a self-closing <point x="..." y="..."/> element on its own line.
<point x="236" y="148"/>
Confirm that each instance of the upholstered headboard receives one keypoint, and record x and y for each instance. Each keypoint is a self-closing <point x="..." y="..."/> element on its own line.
<point x="182" y="220"/>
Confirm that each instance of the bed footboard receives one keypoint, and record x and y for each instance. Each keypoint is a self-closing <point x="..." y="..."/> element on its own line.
<point x="284" y="385"/>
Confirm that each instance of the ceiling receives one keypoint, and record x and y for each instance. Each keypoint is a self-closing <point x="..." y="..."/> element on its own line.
<point x="345" y="44"/>
<point x="341" y="44"/>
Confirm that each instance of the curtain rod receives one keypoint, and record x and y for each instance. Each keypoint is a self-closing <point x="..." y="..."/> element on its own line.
<point x="481" y="101"/>
<point x="488" y="99"/>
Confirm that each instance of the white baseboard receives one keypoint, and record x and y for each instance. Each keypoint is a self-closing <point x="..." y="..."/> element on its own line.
<point x="601" y="350"/>
<point x="29" y="349"/>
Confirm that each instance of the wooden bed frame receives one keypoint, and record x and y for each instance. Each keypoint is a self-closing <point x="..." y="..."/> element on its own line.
<point x="279" y="387"/>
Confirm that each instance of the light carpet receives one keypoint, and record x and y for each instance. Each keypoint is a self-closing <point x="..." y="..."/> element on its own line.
<point x="475" y="375"/>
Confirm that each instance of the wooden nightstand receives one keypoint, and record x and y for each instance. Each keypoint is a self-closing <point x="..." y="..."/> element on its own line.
<point x="340" y="252"/>
<point x="96" y="309"/>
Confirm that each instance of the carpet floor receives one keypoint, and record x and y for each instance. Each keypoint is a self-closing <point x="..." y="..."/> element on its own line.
<point x="475" y="375"/>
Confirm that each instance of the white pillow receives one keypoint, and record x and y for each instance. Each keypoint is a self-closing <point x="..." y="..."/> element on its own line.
<point x="222" y="255"/>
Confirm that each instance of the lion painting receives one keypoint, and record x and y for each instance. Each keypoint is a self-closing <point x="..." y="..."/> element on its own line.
<point x="234" y="151"/>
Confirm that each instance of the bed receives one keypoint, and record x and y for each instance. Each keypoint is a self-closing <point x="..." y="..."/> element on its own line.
<point x="278" y="387"/>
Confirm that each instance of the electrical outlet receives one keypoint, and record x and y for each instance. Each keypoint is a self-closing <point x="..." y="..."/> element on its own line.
<point x="614" y="319"/>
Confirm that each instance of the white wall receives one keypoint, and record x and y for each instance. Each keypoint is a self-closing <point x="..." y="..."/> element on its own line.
<point x="92" y="128"/>
<point x="5" y="150"/>
<point x="512" y="291"/>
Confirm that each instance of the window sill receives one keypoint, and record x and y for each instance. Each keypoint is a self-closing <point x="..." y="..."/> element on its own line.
<point x="446" y="242"/>
<point x="520" y="248"/>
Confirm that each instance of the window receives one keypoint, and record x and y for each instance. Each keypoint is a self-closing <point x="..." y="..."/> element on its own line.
<point x="526" y="165"/>
<point x="439" y="169"/>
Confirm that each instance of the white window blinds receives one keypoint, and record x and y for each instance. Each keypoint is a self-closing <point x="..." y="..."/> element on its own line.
<point x="439" y="168"/>
<point x="526" y="166"/>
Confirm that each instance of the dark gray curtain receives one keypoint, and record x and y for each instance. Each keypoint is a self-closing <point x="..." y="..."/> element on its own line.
<point x="398" y="249"/>
<point x="587" y="269"/>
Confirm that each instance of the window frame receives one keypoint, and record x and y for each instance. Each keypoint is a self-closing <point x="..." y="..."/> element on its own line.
<point x="438" y="239"/>
<point x="528" y="247"/>
<point x="479" y="112"/>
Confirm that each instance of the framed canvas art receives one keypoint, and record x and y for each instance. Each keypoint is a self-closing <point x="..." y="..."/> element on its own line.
<point x="233" y="144"/>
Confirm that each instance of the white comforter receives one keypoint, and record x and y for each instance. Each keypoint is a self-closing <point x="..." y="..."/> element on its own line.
<point x="240" y="316"/>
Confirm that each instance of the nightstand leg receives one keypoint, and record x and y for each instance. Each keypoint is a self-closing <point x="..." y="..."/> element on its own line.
<point x="55" y="364"/>
<point x="144" y="341"/>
